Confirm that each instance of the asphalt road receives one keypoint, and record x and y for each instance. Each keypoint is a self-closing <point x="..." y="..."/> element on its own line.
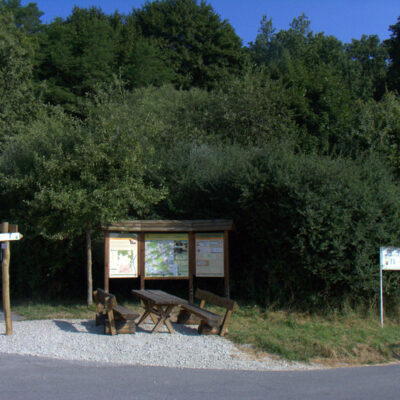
<point x="26" y="378"/>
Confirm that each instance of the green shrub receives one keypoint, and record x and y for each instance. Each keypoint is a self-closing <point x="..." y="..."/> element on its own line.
<point x="309" y="227"/>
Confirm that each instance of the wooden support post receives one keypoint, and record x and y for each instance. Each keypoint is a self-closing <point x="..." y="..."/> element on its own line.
<point x="107" y="261"/>
<point x="89" y="268"/>
<point x="192" y="264"/>
<point x="226" y="264"/>
<point x="141" y="259"/>
<point x="6" y="280"/>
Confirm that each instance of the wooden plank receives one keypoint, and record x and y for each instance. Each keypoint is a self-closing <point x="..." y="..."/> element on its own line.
<point x="121" y="326"/>
<point x="192" y="264"/>
<point x="124" y="312"/>
<point x="226" y="264"/>
<point x="171" y="226"/>
<point x="158" y="297"/>
<point x="217" y="300"/>
<point x="107" y="261"/>
<point x="105" y="297"/>
<point x="211" y="318"/>
<point x="169" y="297"/>
<point x="6" y="280"/>
<point x="227" y="318"/>
<point x="141" y="259"/>
<point x="165" y="278"/>
<point x="12" y="228"/>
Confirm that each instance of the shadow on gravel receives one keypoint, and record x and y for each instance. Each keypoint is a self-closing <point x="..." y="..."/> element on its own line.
<point x="179" y="328"/>
<point x="91" y="328"/>
<point x="66" y="326"/>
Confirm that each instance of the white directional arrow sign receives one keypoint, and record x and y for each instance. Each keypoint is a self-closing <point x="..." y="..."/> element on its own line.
<point x="5" y="237"/>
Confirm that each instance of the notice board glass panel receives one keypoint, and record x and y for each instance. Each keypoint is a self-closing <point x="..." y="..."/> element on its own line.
<point x="166" y="255"/>
<point x="210" y="254"/>
<point x="123" y="255"/>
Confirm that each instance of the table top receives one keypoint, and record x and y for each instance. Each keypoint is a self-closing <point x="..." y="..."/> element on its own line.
<point x="158" y="297"/>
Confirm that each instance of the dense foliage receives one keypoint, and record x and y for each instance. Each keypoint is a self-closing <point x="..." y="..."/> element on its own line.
<point x="163" y="113"/>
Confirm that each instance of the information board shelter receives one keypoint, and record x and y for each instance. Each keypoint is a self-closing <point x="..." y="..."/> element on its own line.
<point x="168" y="249"/>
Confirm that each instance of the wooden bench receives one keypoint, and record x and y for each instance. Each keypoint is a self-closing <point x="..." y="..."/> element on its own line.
<point x="210" y="323"/>
<point x="116" y="318"/>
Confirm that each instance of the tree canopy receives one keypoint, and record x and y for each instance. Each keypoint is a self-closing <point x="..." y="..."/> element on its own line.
<point x="164" y="113"/>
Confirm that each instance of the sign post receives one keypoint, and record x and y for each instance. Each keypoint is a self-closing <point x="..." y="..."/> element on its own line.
<point x="389" y="261"/>
<point x="8" y="232"/>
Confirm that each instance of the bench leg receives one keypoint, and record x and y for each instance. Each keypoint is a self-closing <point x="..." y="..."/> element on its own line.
<point x="111" y="321"/>
<point x="225" y="324"/>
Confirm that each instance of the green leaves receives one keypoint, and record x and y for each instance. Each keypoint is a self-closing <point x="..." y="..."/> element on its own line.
<point x="67" y="177"/>
<point x="16" y="90"/>
<point x="200" y="48"/>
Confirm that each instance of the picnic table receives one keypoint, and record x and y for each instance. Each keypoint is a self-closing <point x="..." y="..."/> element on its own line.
<point x="158" y="305"/>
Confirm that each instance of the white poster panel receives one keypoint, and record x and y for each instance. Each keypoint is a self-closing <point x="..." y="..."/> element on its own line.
<point x="210" y="254"/>
<point x="123" y="255"/>
<point x="390" y="258"/>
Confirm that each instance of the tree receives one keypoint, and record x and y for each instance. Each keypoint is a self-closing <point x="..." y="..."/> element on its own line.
<point x="25" y="17"/>
<point x="367" y="67"/>
<point x="393" y="45"/>
<point x="75" y="55"/>
<point x="312" y="68"/>
<point x="16" y="89"/>
<point x="66" y="179"/>
<point x="146" y="65"/>
<point x="200" y="47"/>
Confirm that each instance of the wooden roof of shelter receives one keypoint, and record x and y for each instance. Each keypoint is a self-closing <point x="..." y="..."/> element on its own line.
<point x="200" y="225"/>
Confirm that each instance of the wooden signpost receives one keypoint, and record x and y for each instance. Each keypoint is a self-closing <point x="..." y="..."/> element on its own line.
<point x="8" y="232"/>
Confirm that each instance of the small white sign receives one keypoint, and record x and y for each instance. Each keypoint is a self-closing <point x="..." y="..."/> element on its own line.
<point x="390" y="258"/>
<point x="5" y="237"/>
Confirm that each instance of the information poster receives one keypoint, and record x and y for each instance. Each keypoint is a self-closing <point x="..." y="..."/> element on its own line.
<point x="210" y="254"/>
<point x="123" y="255"/>
<point x="390" y="258"/>
<point x="166" y="255"/>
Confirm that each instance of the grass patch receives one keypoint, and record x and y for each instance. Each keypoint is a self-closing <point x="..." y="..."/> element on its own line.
<point x="61" y="309"/>
<point x="350" y="337"/>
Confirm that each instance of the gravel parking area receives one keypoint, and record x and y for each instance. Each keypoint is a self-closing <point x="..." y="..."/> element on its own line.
<point x="82" y="340"/>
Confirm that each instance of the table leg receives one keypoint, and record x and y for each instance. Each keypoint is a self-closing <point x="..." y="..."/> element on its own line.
<point x="164" y="319"/>
<point x="148" y="311"/>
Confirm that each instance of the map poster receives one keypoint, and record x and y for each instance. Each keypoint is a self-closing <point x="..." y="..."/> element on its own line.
<point x="166" y="255"/>
<point x="210" y="254"/>
<point x="123" y="255"/>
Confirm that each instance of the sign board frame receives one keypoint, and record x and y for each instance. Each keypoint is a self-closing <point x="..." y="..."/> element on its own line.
<point x="144" y="230"/>
<point x="389" y="260"/>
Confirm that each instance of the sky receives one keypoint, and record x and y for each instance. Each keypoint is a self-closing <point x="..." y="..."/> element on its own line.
<point x="345" y="19"/>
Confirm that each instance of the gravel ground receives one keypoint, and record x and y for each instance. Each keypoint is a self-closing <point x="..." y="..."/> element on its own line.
<point x="82" y="340"/>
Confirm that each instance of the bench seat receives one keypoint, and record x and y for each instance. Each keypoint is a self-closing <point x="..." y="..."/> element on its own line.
<point x="124" y="313"/>
<point x="210" y="323"/>
<point x="212" y="319"/>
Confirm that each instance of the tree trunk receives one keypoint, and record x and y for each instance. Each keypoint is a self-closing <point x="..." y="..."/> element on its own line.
<point x="89" y="268"/>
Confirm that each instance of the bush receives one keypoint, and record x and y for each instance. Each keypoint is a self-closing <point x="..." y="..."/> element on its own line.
<point x="309" y="227"/>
